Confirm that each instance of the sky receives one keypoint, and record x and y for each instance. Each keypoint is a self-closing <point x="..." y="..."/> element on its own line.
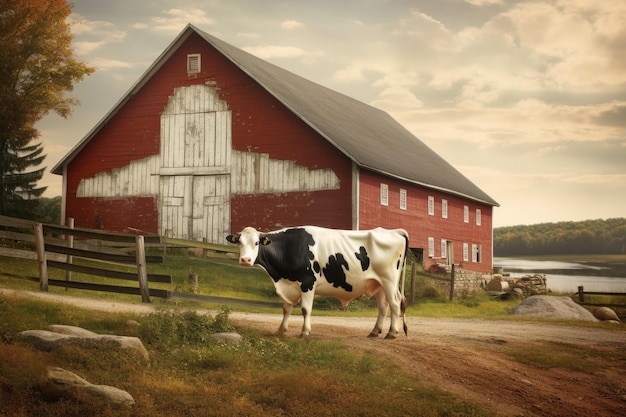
<point x="527" y="99"/>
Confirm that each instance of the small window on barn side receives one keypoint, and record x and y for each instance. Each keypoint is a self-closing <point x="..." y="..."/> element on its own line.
<point x="193" y="64"/>
<point x="476" y="252"/>
<point x="384" y="195"/>
<point x="431" y="247"/>
<point x="444" y="209"/>
<point x="478" y="217"/>
<point x="465" y="252"/>
<point x="431" y="205"/>
<point x="444" y="248"/>
<point x="402" y="199"/>
<point x="466" y="214"/>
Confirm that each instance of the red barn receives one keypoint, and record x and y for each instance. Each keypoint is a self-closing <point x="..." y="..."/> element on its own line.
<point x="212" y="139"/>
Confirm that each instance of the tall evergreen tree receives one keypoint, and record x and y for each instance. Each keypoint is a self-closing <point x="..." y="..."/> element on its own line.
<point x="37" y="68"/>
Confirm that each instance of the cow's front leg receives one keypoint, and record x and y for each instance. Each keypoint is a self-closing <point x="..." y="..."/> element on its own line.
<point x="381" y="301"/>
<point x="307" y="306"/>
<point x="287" y="307"/>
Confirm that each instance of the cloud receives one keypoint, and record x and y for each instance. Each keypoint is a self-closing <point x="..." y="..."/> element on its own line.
<point x="174" y="20"/>
<point x="91" y="35"/>
<point x="291" y="24"/>
<point x="105" y="64"/>
<point x="598" y="179"/>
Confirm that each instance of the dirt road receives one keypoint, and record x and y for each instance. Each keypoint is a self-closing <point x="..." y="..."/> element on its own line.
<point x="471" y="359"/>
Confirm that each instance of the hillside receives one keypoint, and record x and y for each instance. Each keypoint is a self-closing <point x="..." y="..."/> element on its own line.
<point x="600" y="236"/>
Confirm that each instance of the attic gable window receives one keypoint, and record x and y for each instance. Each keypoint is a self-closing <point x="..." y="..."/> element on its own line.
<point x="193" y="64"/>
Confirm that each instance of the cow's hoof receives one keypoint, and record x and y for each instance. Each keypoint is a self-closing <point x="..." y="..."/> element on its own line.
<point x="390" y="336"/>
<point x="373" y="334"/>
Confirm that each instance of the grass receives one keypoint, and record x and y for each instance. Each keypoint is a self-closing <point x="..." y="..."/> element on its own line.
<point x="191" y="374"/>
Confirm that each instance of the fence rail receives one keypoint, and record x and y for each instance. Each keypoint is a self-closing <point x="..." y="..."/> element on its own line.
<point x="582" y="293"/>
<point x="27" y="237"/>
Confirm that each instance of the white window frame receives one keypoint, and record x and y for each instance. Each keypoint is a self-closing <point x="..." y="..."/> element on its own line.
<point x="444" y="248"/>
<point x="194" y="63"/>
<point x="431" y="205"/>
<point x="431" y="247"/>
<point x="402" y="199"/>
<point x="384" y="195"/>
<point x="466" y="214"/>
<point x="479" y="219"/>
<point x="477" y="252"/>
<point x="465" y="252"/>
<point x="444" y="208"/>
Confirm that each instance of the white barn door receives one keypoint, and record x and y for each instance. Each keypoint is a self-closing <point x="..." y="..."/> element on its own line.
<point x="194" y="177"/>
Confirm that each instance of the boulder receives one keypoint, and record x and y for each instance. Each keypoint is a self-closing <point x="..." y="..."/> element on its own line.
<point x="60" y="383"/>
<point x="59" y="335"/>
<point x="606" y="314"/>
<point x="552" y="307"/>
<point x="228" y="337"/>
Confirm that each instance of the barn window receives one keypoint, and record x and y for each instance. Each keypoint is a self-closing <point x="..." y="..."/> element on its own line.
<point x="431" y="247"/>
<point x="402" y="199"/>
<point x="466" y="214"/>
<point x="384" y="195"/>
<point x="193" y="63"/>
<point x="444" y="209"/>
<point x="478" y="217"/>
<point x="444" y="248"/>
<point x="431" y="205"/>
<point x="476" y="255"/>
<point x="465" y="252"/>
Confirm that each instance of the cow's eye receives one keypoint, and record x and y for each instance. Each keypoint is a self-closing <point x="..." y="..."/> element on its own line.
<point x="256" y="243"/>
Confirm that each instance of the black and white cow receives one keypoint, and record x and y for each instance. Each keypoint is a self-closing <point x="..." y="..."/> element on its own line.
<point x="309" y="260"/>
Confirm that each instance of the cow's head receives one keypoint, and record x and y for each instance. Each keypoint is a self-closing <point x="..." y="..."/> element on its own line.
<point x="249" y="240"/>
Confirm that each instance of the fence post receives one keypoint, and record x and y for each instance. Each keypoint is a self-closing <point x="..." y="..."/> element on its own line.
<point x="142" y="271"/>
<point x="70" y="244"/>
<point x="41" y="256"/>
<point x="452" y="273"/>
<point x="581" y="294"/>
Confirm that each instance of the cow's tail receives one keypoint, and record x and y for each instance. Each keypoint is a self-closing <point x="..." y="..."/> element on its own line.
<point x="402" y="297"/>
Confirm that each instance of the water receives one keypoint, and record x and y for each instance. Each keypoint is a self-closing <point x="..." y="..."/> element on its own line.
<point x="565" y="277"/>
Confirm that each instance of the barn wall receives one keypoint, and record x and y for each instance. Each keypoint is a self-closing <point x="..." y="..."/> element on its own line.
<point x="420" y="225"/>
<point x="260" y="124"/>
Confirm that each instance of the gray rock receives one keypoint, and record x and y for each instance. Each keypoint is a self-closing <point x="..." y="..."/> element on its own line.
<point x="60" y="383"/>
<point x="606" y="314"/>
<point x="552" y="307"/>
<point x="228" y="337"/>
<point x="47" y="340"/>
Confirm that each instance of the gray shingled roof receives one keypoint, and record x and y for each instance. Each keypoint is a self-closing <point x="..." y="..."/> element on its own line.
<point x="368" y="136"/>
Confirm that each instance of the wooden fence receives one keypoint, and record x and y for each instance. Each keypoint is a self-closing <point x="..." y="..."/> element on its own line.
<point x="582" y="293"/>
<point x="54" y="246"/>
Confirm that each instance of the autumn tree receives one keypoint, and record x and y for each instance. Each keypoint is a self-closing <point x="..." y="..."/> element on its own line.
<point x="37" y="69"/>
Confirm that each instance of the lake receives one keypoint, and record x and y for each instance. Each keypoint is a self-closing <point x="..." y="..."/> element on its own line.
<point x="566" y="276"/>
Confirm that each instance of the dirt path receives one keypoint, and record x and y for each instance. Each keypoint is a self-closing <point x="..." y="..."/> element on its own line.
<point x="469" y="358"/>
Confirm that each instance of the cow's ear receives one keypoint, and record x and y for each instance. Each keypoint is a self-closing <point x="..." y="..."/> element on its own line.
<point x="233" y="238"/>
<point x="265" y="240"/>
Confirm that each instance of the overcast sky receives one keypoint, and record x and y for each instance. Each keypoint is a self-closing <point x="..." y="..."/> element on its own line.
<point x="525" y="98"/>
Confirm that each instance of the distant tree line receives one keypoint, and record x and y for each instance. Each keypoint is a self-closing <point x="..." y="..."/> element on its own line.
<point x="562" y="238"/>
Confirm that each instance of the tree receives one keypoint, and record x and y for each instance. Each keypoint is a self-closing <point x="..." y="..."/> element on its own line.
<point x="37" y="69"/>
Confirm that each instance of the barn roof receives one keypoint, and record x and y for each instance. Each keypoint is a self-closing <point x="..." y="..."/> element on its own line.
<point x="368" y="136"/>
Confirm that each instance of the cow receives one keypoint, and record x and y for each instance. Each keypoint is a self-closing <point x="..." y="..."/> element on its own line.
<point x="345" y="264"/>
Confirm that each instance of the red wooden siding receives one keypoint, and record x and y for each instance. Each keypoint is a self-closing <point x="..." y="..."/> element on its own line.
<point x="421" y="225"/>
<point x="260" y="124"/>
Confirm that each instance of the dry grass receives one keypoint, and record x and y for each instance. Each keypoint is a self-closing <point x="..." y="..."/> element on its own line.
<point x="190" y="374"/>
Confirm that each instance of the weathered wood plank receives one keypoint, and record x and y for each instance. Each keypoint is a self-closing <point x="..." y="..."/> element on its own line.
<point x="107" y="273"/>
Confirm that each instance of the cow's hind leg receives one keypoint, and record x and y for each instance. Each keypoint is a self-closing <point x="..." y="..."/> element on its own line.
<point x="381" y="301"/>
<point x="395" y="308"/>
<point x="307" y="306"/>
<point x="285" y="323"/>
